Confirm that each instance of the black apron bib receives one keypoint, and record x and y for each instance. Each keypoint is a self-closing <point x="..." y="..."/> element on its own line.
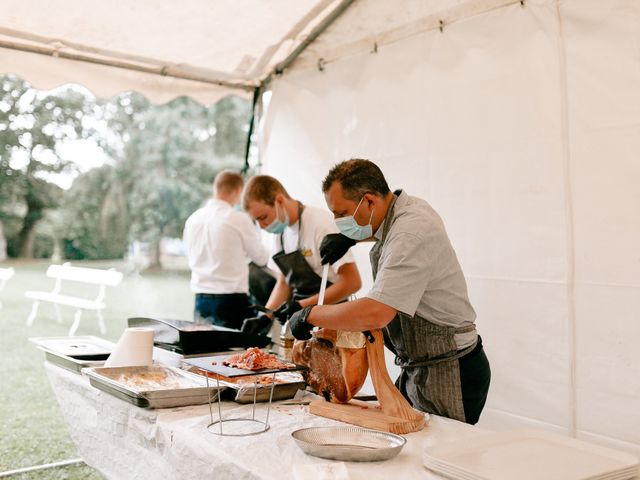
<point x="296" y="270"/>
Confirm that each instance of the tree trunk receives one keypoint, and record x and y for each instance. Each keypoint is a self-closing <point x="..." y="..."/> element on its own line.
<point x="27" y="232"/>
<point x="156" y="253"/>
<point x="3" y="244"/>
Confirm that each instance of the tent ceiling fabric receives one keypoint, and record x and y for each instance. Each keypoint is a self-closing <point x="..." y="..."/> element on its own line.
<point x="198" y="48"/>
<point x="202" y="49"/>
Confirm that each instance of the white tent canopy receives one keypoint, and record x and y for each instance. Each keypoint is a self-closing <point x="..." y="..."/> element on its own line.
<point x="199" y="48"/>
<point x="518" y="121"/>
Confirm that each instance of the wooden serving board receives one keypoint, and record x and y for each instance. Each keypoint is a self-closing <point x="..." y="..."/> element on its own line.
<point x="366" y="415"/>
<point x="394" y="414"/>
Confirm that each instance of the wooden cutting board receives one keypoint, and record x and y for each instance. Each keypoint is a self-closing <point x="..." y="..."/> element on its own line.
<point x="393" y="414"/>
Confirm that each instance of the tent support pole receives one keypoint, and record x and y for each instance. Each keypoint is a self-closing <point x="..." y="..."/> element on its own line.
<point x="125" y="64"/>
<point x="257" y="92"/>
<point x="46" y="466"/>
<point x="315" y="33"/>
<point x="569" y="218"/>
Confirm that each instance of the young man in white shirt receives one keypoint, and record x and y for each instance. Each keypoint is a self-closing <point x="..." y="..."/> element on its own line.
<point x="218" y="239"/>
<point x="297" y="232"/>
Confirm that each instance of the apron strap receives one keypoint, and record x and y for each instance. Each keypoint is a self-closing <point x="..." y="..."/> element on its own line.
<point x="300" y="209"/>
<point x="436" y="360"/>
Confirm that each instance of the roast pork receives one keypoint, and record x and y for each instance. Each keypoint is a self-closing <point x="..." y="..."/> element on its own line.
<point x="336" y="373"/>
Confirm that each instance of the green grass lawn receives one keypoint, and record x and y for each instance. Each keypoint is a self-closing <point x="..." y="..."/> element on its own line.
<point x="33" y="431"/>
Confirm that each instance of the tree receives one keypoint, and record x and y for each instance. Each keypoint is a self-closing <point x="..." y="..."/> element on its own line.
<point x="94" y="222"/>
<point x="32" y="125"/>
<point x="168" y="158"/>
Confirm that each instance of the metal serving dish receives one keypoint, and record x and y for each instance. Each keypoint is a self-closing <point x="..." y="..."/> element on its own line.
<point x="349" y="444"/>
<point x="152" y="387"/>
<point x="75" y="353"/>
<point x="242" y="389"/>
<point x="214" y="367"/>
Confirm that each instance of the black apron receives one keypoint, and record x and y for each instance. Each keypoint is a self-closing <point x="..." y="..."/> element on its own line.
<point x="296" y="270"/>
<point x="426" y="352"/>
<point x="261" y="283"/>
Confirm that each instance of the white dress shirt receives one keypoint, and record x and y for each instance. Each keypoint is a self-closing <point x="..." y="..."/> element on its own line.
<point x="218" y="240"/>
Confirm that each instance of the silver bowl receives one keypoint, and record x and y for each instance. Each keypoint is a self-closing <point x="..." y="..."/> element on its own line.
<point x="350" y="444"/>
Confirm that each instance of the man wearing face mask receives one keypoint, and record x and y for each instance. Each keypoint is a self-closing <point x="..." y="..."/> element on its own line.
<point x="419" y="296"/>
<point x="218" y="239"/>
<point x="297" y="232"/>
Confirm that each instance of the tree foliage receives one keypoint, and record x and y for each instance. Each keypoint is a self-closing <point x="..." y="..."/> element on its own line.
<point x="32" y="126"/>
<point x="163" y="159"/>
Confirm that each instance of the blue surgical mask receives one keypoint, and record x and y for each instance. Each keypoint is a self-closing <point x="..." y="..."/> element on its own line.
<point x="350" y="228"/>
<point x="237" y="207"/>
<point x="277" y="226"/>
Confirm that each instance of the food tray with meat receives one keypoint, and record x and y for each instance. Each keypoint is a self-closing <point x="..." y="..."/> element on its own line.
<point x="152" y="387"/>
<point x="253" y="361"/>
<point x="241" y="389"/>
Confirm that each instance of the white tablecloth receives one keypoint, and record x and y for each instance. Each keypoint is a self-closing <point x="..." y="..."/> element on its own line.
<point x="125" y="442"/>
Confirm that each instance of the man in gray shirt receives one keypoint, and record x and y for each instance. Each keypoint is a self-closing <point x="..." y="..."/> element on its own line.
<point x="419" y="296"/>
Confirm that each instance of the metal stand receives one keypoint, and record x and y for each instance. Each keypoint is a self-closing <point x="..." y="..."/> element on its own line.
<point x="241" y="426"/>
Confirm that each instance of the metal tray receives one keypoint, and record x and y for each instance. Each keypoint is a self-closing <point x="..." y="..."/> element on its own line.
<point x="82" y="347"/>
<point x="214" y="365"/>
<point x="195" y="391"/>
<point x="75" y="353"/>
<point x="350" y="444"/>
<point x="290" y="383"/>
<point x="70" y="363"/>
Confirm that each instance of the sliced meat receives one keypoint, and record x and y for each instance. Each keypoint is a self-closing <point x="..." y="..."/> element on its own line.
<point x="334" y="372"/>
<point x="255" y="359"/>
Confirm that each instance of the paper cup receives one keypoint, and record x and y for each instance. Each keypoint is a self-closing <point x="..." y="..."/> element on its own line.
<point x="134" y="349"/>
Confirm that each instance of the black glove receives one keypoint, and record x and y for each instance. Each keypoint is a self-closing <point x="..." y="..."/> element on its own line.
<point x="298" y="323"/>
<point x="334" y="246"/>
<point x="259" y="325"/>
<point x="284" y="311"/>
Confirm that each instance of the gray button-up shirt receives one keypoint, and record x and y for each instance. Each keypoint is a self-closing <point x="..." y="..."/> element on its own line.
<point x="418" y="271"/>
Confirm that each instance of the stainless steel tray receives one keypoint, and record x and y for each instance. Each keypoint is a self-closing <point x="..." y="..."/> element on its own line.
<point x="70" y="363"/>
<point x="75" y="353"/>
<point x="287" y="384"/>
<point x="350" y="444"/>
<point x="81" y="347"/>
<point x="193" y="390"/>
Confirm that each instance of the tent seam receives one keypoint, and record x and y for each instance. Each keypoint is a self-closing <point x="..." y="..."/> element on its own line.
<point x="568" y="207"/>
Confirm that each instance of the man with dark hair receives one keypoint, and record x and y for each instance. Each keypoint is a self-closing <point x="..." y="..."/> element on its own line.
<point x="218" y="239"/>
<point x="419" y="296"/>
<point x="297" y="233"/>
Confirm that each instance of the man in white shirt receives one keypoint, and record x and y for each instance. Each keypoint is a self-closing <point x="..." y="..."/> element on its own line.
<point x="218" y="239"/>
<point x="298" y="231"/>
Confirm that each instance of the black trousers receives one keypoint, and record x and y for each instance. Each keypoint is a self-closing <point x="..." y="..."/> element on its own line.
<point x="475" y="377"/>
<point x="223" y="309"/>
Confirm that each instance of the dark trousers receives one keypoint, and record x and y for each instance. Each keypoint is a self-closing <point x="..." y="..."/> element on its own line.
<point x="223" y="309"/>
<point x="475" y="377"/>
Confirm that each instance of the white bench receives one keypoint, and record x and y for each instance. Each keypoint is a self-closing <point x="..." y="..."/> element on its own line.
<point x="103" y="278"/>
<point x="5" y="274"/>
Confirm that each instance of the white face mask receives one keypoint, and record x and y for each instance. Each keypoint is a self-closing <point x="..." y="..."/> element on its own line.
<point x="352" y="229"/>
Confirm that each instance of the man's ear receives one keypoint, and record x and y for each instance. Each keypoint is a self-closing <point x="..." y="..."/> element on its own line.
<point x="370" y="198"/>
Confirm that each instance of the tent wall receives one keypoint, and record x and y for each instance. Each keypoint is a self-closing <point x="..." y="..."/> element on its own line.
<point x="521" y="126"/>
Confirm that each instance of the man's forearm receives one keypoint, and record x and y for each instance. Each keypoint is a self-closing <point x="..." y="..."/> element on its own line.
<point x="280" y="293"/>
<point x="355" y="316"/>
